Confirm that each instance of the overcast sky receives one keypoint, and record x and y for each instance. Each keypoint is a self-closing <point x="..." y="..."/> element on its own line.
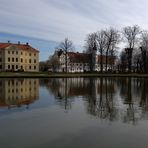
<point x="56" y="19"/>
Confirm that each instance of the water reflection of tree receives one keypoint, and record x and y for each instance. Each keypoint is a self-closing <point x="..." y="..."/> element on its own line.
<point x="134" y="93"/>
<point x="130" y="111"/>
<point x="144" y="98"/>
<point x="52" y="85"/>
<point x="125" y="99"/>
<point x="102" y="104"/>
<point x="59" y="87"/>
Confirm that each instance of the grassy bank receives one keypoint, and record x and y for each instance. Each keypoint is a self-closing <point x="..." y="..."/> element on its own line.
<point x="64" y="75"/>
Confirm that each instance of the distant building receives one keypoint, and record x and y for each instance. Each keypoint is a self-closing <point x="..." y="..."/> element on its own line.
<point x="14" y="57"/>
<point x="83" y="62"/>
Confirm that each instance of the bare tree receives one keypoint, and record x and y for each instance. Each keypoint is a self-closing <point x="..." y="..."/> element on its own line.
<point x="144" y="50"/>
<point x="91" y="48"/>
<point x="101" y="42"/>
<point x="66" y="46"/>
<point x="137" y="61"/>
<point x="43" y="66"/>
<point x="131" y="35"/>
<point x="144" y="39"/>
<point x="53" y="63"/>
<point x="112" y="39"/>
<point x="123" y="61"/>
<point x="105" y="42"/>
<point x="90" y="42"/>
<point x="113" y="54"/>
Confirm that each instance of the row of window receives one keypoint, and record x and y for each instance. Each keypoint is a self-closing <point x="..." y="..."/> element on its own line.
<point x="76" y="64"/>
<point x="16" y="67"/>
<point x="16" y="52"/>
<point x="16" y="90"/>
<point x="12" y="82"/>
<point x="14" y="98"/>
<point x="16" y="60"/>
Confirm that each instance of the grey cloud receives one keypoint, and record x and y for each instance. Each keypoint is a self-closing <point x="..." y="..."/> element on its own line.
<point x="56" y="19"/>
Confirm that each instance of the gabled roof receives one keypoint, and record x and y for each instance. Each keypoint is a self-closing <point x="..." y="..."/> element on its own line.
<point x="110" y="59"/>
<point x="26" y="47"/>
<point x="79" y="57"/>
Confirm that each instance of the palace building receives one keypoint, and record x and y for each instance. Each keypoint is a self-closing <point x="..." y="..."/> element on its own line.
<point x="83" y="62"/>
<point x="18" y="57"/>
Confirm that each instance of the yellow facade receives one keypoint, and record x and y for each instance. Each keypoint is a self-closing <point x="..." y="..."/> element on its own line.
<point x="19" y="57"/>
<point x="18" y="92"/>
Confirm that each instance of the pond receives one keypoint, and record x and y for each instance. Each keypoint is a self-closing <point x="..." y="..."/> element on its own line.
<point x="74" y="113"/>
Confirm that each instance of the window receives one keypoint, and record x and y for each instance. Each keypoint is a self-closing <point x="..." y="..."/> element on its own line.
<point x="0" y="66"/>
<point x="16" y="66"/>
<point x="12" y="82"/>
<point x="8" y="66"/>
<point x="8" y="52"/>
<point x="12" y="66"/>
<point x="34" y="67"/>
<point x="25" y="60"/>
<point x="34" y="54"/>
<point x="34" y="60"/>
<point x="29" y="60"/>
<point x="0" y="83"/>
<point x="8" y="59"/>
<point x="21" y="60"/>
<point x="29" y="67"/>
<point x="12" y="59"/>
<point x="12" y="52"/>
<point x="0" y="59"/>
<point x="16" y="52"/>
<point x="16" y="59"/>
<point x="21" y="53"/>
<point x="29" y="54"/>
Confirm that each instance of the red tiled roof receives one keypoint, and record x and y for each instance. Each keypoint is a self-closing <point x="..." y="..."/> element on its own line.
<point x="85" y="58"/>
<point x="20" y="46"/>
<point x="79" y="57"/>
<point x="110" y="59"/>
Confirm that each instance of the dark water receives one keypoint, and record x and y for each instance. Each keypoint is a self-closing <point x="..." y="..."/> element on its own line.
<point x="74" y="113"/>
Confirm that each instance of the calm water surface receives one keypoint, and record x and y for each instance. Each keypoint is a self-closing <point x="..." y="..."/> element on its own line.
<point x="74" y="113"/>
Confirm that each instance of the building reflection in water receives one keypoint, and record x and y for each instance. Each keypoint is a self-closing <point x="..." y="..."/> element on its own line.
<point x="124" y="99"/>
<point x="18" y="92"/>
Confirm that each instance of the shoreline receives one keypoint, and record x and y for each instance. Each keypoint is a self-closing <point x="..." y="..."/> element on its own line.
<point x="65" y="75"/>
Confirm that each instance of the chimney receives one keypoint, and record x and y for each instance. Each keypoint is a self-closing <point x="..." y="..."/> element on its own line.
<point x="8" y="41"/>
<point x="19" y="42"/>
<point x="27" y="43"/>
